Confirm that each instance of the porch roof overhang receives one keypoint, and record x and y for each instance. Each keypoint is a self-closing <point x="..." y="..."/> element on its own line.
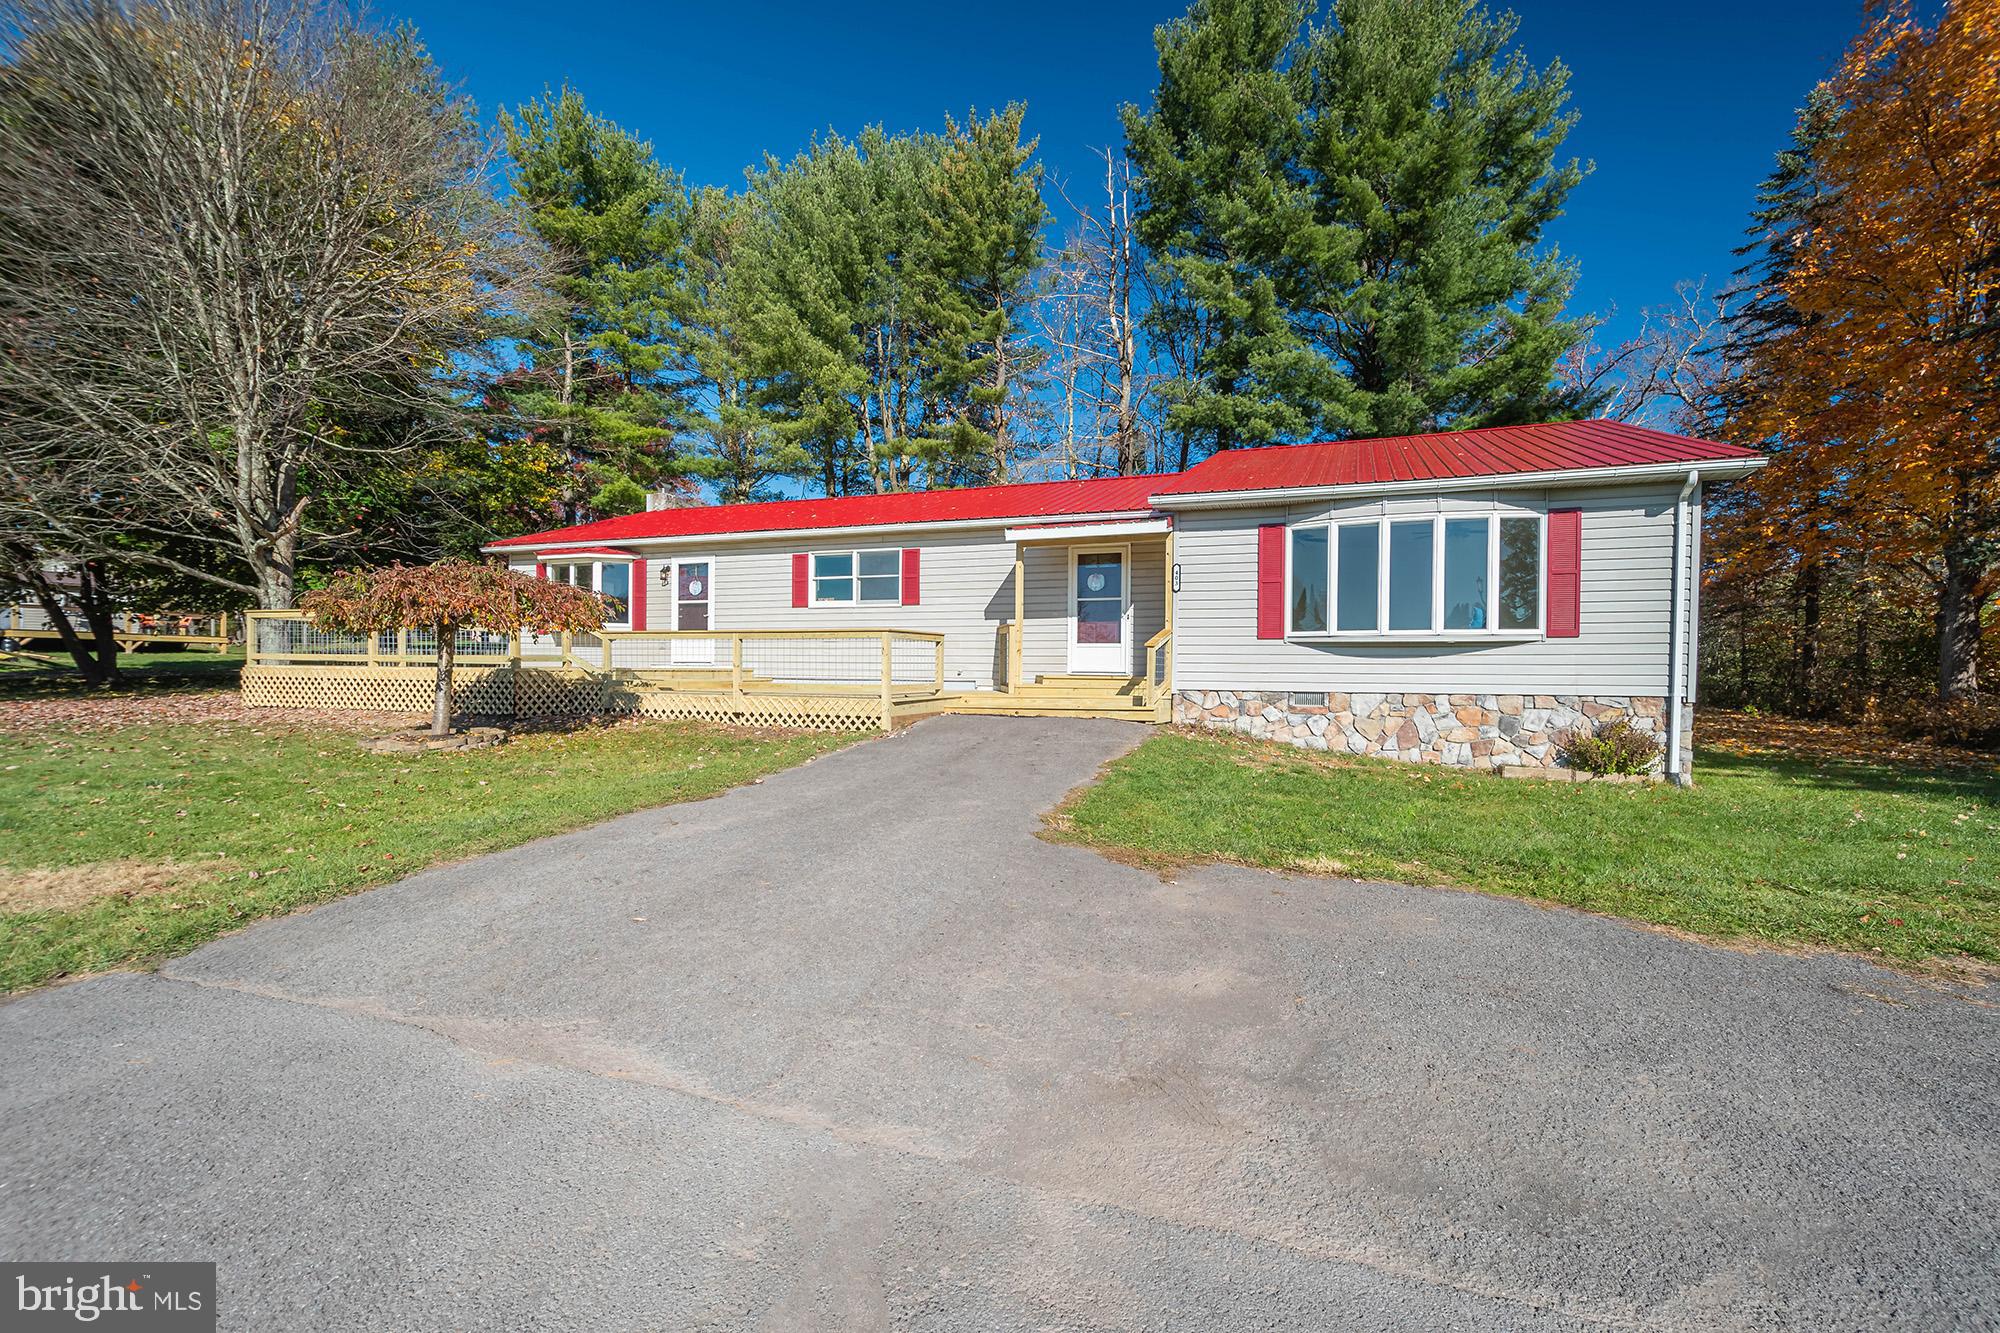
<point x="577" y="551"/>
<point x="1152" y="525"/>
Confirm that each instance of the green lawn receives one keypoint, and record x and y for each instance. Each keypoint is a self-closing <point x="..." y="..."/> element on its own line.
<point x="22" y="677"/>
<point x="1900" y="862"/>
<point x="160" y="837"/>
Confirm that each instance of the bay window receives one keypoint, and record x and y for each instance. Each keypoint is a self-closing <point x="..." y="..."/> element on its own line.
<point x="1358" y="558"/>
<point x="1410" y="575"/>
<point x="1520" y="579"/>
<point x="1459" y="576"/>
<point x="1309" y="576"/>
<point x="611" y="579"/>
<point x="1465" y="559"/>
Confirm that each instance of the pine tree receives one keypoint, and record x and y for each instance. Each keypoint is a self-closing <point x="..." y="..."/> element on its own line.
<point x="1216" y="152"/>
<point x="1354" y="210"/>
<point x="592" y="380"/>
<point x="737" y="443"/>
<point x="882" y="283"/>
<point x="980" y="251"/>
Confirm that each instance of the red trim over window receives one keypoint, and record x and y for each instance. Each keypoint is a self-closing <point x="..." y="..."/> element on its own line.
<point x="638" y="620"/>
<point x="799" y="577"/>
<point x="1270" y="580"/>
<point x="912" y="558"/>
<point x="1565" y="573"/>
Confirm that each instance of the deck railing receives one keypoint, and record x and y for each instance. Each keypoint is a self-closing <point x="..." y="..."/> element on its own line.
<point x="896" y="662"/>
<point x="207" y="628"/>
<point x="1157" y="667"/>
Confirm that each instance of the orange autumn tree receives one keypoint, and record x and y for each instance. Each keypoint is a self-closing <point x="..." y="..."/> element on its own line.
<point x="444" y="598"/>
<point x="1874" y="363"/>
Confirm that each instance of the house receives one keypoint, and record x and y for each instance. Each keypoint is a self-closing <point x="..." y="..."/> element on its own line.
<point x="1460" y="597"/>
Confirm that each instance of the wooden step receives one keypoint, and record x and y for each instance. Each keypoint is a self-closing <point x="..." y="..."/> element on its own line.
<point x="1088" y="682"/>
<point x="1046" y="705"/>
<point x="1083" y="687"/>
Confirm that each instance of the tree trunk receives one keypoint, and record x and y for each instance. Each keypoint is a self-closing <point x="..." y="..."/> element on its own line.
<point x="1958" y="627"/>
<point x="1861" y="675"/>
<point x="96" y="657"/>
<point x="1805" y="685"/>
<point x="441" y="706"/>
<point x="1131" y="449"/>
<point x="566" y="396"/>
<point x="275" y="581"/>
<point x="1002" y="446"/>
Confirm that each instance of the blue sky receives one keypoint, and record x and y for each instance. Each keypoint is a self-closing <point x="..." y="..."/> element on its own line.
<point x="1681" y="106"/>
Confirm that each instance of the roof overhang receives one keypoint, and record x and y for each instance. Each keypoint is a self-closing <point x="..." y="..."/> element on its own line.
<point x="577" y="546"/>
<point x="1152" y="526"/>
<point x="1714" y="469"/>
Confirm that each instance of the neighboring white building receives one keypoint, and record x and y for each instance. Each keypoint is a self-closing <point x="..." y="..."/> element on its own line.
<point x="1462" y="597"/>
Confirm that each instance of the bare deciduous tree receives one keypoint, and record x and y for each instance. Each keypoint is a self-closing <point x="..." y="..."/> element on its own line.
<point x="246" y="248"/>
<point x="1086" y="318"/>
<point x="1669" y="374"/>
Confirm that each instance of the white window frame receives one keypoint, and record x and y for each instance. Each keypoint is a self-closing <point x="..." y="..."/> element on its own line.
<point x="1123" y="551"/>
<point x="1437" y="633"/>
<point x="597" y="580"/>
<point x="813" y="576"/>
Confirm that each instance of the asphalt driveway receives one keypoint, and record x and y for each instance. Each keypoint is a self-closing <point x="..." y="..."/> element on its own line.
<point x="853" y="1048"/>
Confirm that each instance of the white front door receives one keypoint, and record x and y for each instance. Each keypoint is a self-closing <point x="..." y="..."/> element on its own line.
<point x="1100" y="611"/>
<point x="694" y="599"/>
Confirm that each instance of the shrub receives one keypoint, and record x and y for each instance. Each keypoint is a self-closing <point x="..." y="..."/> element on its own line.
<point x="1611" y="747"/>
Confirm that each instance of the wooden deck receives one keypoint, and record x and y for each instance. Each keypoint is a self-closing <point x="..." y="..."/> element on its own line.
<point x="131" y="631"/>
<point x="822" y="679"/>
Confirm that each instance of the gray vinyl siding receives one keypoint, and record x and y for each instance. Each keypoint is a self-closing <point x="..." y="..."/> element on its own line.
<point x="1045" y="650"/>
<point x="966" y="593"/>
<point x="1627" y="572"/>
<point x="965" y="587"/>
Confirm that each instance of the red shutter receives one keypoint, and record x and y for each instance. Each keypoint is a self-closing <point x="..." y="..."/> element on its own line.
<point x="1565" y="616"/>
<point x="541" y="570"/>
<point x="799" y="579"/>
<point x="911" y="588"/>
<point x="1270" y="580"/>
<point x="638" y="594"/>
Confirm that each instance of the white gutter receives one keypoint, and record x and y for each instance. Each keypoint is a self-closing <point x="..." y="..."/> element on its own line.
<point x="1677" y="656"/>
<point x="1716" y="470"/>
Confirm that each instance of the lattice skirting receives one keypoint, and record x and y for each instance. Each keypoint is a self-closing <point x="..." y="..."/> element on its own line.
<point x="543" y="693"/>
<point x="808" y="712"/>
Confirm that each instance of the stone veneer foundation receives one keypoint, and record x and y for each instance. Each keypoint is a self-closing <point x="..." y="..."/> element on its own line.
<point x="1470" y="730"/>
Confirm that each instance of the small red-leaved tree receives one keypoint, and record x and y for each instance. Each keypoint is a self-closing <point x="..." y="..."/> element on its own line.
<point x="444" y="598"/>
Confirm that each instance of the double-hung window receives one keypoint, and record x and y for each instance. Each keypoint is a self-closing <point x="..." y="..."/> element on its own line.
<point x="841" y="578"/>
<point x="1458" y="576"/>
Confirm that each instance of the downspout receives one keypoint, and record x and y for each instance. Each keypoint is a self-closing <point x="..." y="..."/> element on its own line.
<point x="1678" y="654"/>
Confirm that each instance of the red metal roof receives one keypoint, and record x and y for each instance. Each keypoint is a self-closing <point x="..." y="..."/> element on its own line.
<point x="595" y="550"/>
<point x="1040" y="499"/>
<point x="1490" y="451"/>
